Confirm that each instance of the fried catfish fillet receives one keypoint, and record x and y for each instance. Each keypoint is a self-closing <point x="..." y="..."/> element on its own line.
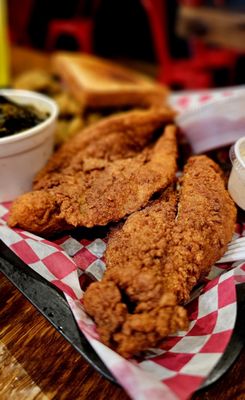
<point x="98" y="191"/>
<point x="156" y="258"/>
<point x="117" y="137"/>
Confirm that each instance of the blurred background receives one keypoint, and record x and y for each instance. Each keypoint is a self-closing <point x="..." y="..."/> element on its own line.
<point x="187" y="44"/>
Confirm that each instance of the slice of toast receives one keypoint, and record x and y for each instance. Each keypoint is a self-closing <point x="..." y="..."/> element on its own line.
<point x="99" y="83"/>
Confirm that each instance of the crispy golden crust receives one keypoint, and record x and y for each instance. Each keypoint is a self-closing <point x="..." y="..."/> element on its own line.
<point x="157" y="256"/>
<point x="37" y="212"/>
<point x="95" y="192"/>
<point x="129" y="306"/>
<point x="113" y="138"/>
<point x="204" y="225"/>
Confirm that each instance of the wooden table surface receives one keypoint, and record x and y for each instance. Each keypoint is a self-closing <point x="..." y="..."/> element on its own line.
<point x="36" y="362"/>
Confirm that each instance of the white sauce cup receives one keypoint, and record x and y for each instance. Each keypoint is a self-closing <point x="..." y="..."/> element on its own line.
<point x="23" y="154"/>
<point x="236" y="184"/>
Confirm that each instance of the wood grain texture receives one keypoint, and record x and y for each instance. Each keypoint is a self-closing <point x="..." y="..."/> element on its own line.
<point x="37" y="363"/>
<point x="49" y="363"/>
<point x="15" y="382"/>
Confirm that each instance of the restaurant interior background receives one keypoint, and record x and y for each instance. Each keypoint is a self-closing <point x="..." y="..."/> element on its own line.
<point x="187" y="44"/>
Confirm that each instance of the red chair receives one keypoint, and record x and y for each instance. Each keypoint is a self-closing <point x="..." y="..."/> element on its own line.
<point x="79" y="28"/>
<point x="213" y="58"/>
<point x="184" y="73"/>
<point x="203" y="61"/>
<point x="205" y="56"/>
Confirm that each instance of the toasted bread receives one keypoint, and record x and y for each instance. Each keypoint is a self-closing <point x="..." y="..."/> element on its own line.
<point x="99" y="83"/>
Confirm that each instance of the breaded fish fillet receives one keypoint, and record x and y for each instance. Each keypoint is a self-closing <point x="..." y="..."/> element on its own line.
<point x="156" y="258"/>
<point x="117" y="137"/>
<point x="97" y="192"/>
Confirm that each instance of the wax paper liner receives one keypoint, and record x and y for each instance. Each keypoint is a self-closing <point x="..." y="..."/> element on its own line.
<point x="210" y="120"/>
<point x="184" y="360"/>
<point x="186" y="101"/>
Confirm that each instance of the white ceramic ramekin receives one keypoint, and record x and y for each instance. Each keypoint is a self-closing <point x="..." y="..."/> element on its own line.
<point x="236" y="184"/>
<point x="23" y="154"/>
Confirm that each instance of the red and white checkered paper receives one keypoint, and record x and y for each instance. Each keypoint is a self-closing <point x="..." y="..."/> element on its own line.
<point x="185" y="359"/>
